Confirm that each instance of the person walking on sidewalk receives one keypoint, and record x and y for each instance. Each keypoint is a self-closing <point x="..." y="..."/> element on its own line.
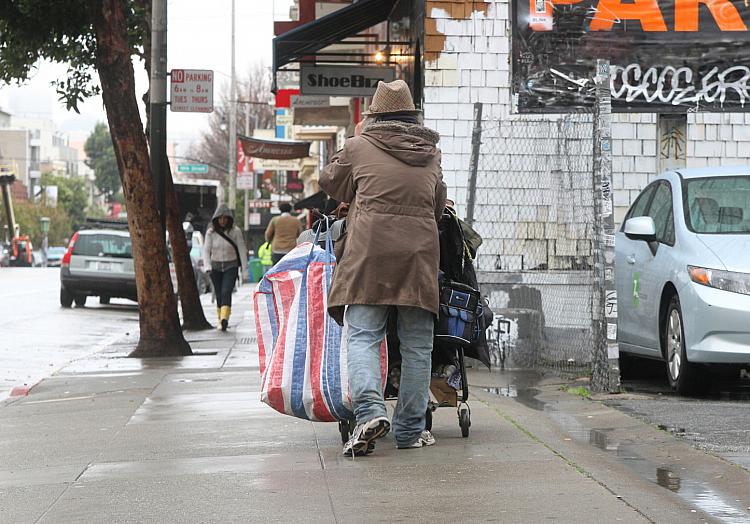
<point x="224" y="254"/>
<point x="282" y="232"/>
<point x="265" y="256"/>
<point x="391" y="175"/>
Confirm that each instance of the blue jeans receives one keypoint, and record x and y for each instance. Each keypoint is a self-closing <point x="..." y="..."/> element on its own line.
<point x="366" y="330"/>
<point x="223" y="282"/>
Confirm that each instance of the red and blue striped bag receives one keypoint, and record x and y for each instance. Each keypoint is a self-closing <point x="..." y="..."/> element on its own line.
<point x="302" y="349"/>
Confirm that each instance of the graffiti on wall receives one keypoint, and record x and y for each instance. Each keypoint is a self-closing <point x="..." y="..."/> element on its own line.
<point x="502" y="336"/>
<point x="666" y="56"/>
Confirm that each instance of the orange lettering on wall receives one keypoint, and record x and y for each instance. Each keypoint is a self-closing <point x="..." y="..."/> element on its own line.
<point x="723" y="11"/>
<point x="608" y="12"/>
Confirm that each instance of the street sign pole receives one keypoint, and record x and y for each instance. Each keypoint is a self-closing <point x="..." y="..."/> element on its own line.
<point x="158" y="109"/>
<point x="233" y="130"/>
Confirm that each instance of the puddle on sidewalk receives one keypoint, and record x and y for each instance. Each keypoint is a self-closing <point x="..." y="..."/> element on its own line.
<point x="677" y="479"/>
<point x="527" y="397"/>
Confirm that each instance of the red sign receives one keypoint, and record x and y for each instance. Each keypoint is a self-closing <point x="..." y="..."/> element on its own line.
<point x="244" y="162"/>
<point x="284" y="97"/>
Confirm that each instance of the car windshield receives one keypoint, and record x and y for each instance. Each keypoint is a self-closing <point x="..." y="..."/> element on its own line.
<point x="718" y="205"/>
<point x="56" y="251"/>
<point x="103" y="244"/>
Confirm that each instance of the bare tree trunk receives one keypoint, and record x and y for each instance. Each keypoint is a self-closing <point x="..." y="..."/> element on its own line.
<point x="193" y="318"/>
<point x="160" y="333"/>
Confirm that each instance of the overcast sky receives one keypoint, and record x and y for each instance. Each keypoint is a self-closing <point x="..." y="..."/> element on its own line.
<point x="199" y="37"/>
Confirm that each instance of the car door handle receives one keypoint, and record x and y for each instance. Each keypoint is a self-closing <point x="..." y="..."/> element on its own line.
<point x="630" y="259"/>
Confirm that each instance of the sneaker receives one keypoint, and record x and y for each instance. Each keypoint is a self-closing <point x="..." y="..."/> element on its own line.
<point x="362" y="440"/>
<point x="425" y="439"/>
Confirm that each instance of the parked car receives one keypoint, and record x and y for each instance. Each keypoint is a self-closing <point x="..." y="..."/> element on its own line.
<point x="55" y="255"/>
<point x="201" y="276"/>
<point x="98" y="262"/>
<point x="683" y="274"/>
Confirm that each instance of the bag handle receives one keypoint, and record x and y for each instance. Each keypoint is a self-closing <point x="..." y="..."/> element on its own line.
<point x="328" y="248"/>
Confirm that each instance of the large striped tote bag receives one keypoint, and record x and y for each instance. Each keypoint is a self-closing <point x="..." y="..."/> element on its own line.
<point x="302" y="349"/>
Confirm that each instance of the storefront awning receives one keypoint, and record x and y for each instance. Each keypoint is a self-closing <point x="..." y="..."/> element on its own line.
<point x="274" y="149"/>
<point x="328" y="30"/>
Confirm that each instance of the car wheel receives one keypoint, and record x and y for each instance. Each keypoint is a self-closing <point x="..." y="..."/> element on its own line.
<point x="80" y="300"/>
<point x="66" y="299"/>
<point x="684" y="377"/>
<point x="104" y="300"/>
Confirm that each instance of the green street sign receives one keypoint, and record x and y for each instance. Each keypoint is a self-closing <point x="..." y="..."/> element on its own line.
<point x="192" y="168"/>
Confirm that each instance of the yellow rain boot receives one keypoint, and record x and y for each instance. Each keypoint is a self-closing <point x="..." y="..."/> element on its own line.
<point x="225" y="312"/>
<point x="218" y="317"/>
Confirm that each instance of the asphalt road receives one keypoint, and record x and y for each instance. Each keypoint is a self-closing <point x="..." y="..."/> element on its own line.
<point x="38" y="337"/>
<point x="717" y="422"/>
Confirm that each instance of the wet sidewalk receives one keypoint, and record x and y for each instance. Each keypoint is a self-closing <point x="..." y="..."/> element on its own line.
<point x="112" y="439"/>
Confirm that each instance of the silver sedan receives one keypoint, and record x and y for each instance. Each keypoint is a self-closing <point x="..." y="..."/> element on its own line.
<point x="683" y="273"/>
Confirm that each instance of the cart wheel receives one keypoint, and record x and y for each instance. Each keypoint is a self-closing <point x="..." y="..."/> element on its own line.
<point x="428" y="419"/>
<point x="464" y="420"/>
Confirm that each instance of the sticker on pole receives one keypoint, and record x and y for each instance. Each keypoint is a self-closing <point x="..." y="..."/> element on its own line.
<point x="610" y="306"/>
<point x="192" y="90"/>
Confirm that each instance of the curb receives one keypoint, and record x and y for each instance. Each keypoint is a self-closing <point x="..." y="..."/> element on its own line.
<point x="22" y="391"/>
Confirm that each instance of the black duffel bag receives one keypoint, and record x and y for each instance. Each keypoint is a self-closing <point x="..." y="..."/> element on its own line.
<point x="459" y="318"/>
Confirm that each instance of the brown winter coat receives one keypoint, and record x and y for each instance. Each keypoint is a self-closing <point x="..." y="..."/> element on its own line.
<point x="391" y="175"/>
<point x="282" y="233"/>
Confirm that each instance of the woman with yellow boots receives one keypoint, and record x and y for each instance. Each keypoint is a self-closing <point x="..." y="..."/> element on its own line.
<point x="224" y="254"/>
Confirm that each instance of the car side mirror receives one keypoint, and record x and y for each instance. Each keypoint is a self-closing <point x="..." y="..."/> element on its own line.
<point x="641" y="228"/>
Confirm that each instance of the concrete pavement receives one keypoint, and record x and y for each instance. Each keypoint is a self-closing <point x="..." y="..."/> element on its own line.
<point x="111" y="439"/>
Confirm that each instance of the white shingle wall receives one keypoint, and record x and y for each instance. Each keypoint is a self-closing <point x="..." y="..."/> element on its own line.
<point x="475" y="67"/>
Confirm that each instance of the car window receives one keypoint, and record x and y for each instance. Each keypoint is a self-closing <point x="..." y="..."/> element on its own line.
<point x="103" y="244"/>
<point x="661" y="211"/>
<point x="717" y="205"/>
<point x="638" y="209"/>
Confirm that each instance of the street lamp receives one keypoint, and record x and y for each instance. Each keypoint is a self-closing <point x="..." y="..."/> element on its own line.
<point x="44" y="223"/>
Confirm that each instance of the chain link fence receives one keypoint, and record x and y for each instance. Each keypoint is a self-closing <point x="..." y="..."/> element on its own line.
<point x="534" y="204"/>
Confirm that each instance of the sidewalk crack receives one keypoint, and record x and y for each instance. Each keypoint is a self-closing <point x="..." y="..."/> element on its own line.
<point x="325" y="473"/>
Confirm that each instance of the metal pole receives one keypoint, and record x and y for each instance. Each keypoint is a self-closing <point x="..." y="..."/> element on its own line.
<point x="476" y="141"/>
<point x="5" y="181"/>
<point x="233" y="130"/>
<point x="45" y="247"/>
<point x="606" y="372"/>
<point x="247" y="193"/>
<point x="158" y="109"/>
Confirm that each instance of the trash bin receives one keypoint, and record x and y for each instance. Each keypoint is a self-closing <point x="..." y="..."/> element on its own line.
<point x="256" y="270"/>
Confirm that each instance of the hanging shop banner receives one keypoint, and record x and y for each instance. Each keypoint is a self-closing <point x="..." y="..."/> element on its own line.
<point x="343" y="80"/>
<point x="274" y="149"/>
<point x="666" y="55"/>
<point x="293" y="183"/>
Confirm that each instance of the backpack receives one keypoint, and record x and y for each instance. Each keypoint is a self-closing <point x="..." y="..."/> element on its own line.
<point x="460" y="315"/>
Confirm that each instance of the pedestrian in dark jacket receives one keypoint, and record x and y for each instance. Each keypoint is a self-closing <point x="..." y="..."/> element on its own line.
<point x="391" y="176"/>
<point x="224" y="254"/>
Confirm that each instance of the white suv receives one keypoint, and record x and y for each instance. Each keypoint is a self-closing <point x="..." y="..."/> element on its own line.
<point x="99" y="262"/>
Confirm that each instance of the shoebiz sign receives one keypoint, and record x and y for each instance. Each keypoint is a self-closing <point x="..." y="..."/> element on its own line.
<point x="343" y="80"/>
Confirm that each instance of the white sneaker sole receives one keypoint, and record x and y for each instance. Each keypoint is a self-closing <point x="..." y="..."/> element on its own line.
<point x="373" y="430"/>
